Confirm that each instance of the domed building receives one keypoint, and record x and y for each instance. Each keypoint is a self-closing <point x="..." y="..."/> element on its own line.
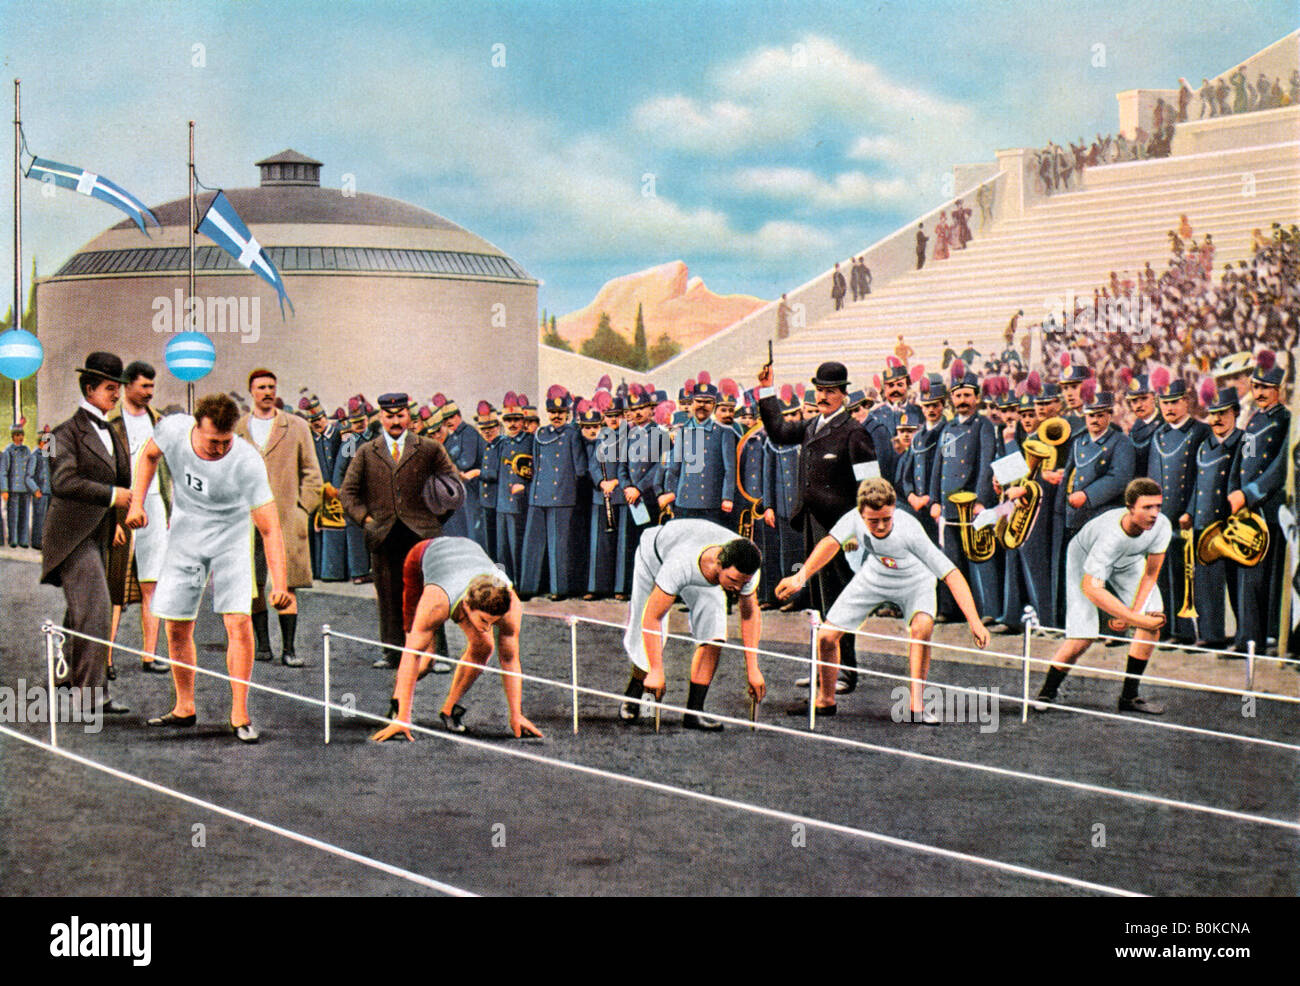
<point x="386" y="296"/>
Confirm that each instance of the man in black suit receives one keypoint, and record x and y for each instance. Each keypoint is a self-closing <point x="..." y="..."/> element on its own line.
<point x="90" y="478"/>
<point x="835" y="455"/>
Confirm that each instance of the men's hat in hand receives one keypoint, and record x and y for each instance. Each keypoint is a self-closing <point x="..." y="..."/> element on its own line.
<point x="443" y="493"/>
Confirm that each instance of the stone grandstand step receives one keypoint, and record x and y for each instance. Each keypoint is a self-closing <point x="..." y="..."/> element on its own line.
<point x="1135" y="174"/>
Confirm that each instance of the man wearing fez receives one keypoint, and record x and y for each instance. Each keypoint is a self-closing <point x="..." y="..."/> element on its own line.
<point x="285" y="443"/>
<point x="836" y="454"/>
<point x="90" y="479"/>
<point x="383" y="492"/>
<point x="1217" y="461"/>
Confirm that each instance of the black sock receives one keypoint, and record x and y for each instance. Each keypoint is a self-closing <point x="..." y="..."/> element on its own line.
<point x="635" y="689"/>
<point x="262" y="631"/>
<point x="1135" y="668"/>
<point x="288" y="631"/>
<point x="440" y="641"/>
<point x="1053" y="681"/>
<point x="695" y="700"/>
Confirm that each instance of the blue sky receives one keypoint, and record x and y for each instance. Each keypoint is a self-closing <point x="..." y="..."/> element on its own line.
<point x="780" y="136"/>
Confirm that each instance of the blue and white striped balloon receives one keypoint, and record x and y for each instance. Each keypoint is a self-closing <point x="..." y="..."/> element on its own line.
<point x="21" y="354"/>
<point x="190" y="356"/>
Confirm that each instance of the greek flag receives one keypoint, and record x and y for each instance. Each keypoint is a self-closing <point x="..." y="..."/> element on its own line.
<point x="89" y="183"/>
<point x="221" y="224"/>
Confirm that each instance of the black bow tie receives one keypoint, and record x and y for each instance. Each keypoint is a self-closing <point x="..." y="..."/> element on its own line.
<point x="97" y="422"/>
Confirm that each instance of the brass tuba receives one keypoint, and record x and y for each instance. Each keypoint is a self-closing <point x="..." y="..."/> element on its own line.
<point x="978" y="544"/>
<point x="1242" y="538"/>
<point x="1040" y="453"/>
<point x="1188" y="610"/>
<point x="520" y="464"/>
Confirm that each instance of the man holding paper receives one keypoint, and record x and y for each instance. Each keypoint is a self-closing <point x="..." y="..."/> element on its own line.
<point x="835" y="455"/>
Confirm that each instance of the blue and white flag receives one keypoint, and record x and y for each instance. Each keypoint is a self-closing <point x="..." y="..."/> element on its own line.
<point x="221" y="224"/>
<point x="89" y="183"/>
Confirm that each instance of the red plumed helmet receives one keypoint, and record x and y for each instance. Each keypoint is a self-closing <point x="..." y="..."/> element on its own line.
<point x="1207" y="391"/>
<point x="1022" y="388"/>
<point x="1034" y="383"/>
<point x="510" y="400"/>
<point x="798" y="390"/>
<point x="555" y="391"/>
<point x="602" y="400"/>
<point x="924" y="386"/>
<point x="917" y="372"/>
<point x="1126" y="375"/>
<point x="439" y="400"/>
<point x="1088" y="390"/>
<point x="729" y="387"/>
<point x="1266" y="360"/>
<point x="1159" y="379"/>
<point x="875" y="378"/>
<point x="484" y="408"/>
<point x="604" y="383"/>
<point x="787" y="393"/>
<point x="893" y="361"/>
<point x="704" y="377"/>
<point x="1065" y="359"/>
<point x="958" y="369"/>
<point x="689" y="385"/>
<point x="583" y="406"/>
<point x="664" y="412"/>
<point x="635" y="390"/>
<point x="523" y="400"/>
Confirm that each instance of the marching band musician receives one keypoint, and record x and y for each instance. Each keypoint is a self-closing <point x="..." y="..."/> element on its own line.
<point x="1146" y="419"/>
<point x="701" y="475"/>
<point x="489" y="427"/>
<point x="514" y="472"/>
<point x="559" y="460"/>
<point x="925" y="450"/>
<point x="640" y="477"/>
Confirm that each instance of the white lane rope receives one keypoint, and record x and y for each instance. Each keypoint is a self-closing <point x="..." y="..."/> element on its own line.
<point x="306" y="840"/>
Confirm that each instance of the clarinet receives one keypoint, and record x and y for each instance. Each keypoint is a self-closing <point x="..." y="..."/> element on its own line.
<point x="609" y="507"/>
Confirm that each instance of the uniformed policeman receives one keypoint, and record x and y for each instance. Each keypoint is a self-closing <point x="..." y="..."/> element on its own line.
<point x="14" y="486"/>
<point x="1217" y="461"/>
<point x="1260" y="485"/>
<point x="701" y="475"/>
<point x="859" y="406"/>
<point x="782" y="545"/>
<point x="465" y="446"/>
<point x="599" y="446"/>
<point x="963" y="463"/>
<point x="904" y="471"/>
<point x="489" y="428"/>
<point x="559" y="459"/>
<point x="514" y="473"/>
<point x="641" y="474"/>
<point x="329" y="517"/>
<point x="925" y="452"/>
<point x="358" y="555"/>
<point x="38" y="475"/>
<point x="1146" y="420"/>
<point x="749" y="477"/>
<point x="882" y="420"/>
<point x="1049" y="405"/>
<point x="1171" y="462"/>
<point x="1026" y="572"/>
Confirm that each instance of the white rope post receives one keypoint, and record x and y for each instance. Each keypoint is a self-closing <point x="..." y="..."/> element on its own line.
<point x="47" y="628"/>
<point x="1250" y="666"/>
<point x="1030" y="619"/>
<point x="325" y="652"/>
<point x="814" y="618"/>
<point x="573" y="665"/>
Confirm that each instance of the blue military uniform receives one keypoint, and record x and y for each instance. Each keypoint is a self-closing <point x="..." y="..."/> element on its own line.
<point x="1019" y="588"/>
<point x="465" y="446"/>
<point x="602" y="542"/>
<point x="1061" y="534"/>
<point x="358" y="555"/>
<point x="1261" y="476"/>
<point x="513" y="469"/>
<point x="329" y="543"/>
<point x="14" y="482"/>
<point x="702" y="467"/>
<point x="487" y="487"/>
<point x="1171" y="462"/>
<point x="925" y="453"/>
<point x="642" y="466"/>
<point x="905" y="469"/>
<point x="882" y="422"/>
<point x="1217" y="462"/>
<point x="559" y="459"/>
<point x="38" y="478"/>
<point x="964" y="457"/>
<point x="1142" y="431"/>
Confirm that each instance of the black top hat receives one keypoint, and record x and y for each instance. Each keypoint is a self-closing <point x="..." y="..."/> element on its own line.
<point x="831" y="375"/>
<point x="104" y="365"/>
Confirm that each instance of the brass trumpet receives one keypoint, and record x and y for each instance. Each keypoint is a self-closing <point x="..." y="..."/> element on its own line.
<point x="521" y="465"/>
<point x="1188" y="610"/>
<point x="1040" y="454"/>
<point x="1242" y="538"/>
<point x="978" y="544"/>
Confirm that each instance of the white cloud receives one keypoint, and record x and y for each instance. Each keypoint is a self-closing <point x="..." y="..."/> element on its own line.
<point x="717" y="127"/>
<point x="849" y="189"/>
<point x="879" y="147"/>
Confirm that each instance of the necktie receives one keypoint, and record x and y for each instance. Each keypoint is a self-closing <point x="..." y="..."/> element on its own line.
<point x="396" y="451"/>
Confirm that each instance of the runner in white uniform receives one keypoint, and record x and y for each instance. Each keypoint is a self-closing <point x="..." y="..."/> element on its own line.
<point x="452" y="578"/>
<point x="1123" y="549"/>
<point x="895" y="562"/>
<point x="695" y="561"/>
<point x="217" y="479"/>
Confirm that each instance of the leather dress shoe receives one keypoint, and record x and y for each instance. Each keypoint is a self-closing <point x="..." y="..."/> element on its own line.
<point x="291" y="660"/>
<point x="452" y="723"/>
<point x="1139" y="704"/>
<point x="621" y="597"/>
<point x="171" y="719"/>
<point x="557" y="597"/>
<point x="383" y="664"/>
<point x="801" y="709"/>
<point x="846" y="684"/>
<point x="111" y="708"/>
<point x="156" y="666"/>
<point x="588" y="597"/>
<point x="263" y="655"/>
<point x="245" y="733"/>
<point x="693" y="721"/>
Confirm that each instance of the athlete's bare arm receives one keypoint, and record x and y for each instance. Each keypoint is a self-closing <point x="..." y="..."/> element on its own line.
<point x="136" y="518"/>
<point x="508" y="656"/>
<point x="267" y="521"/>
<point x="751" y="631"/>
<point x="656" y="608"/>
<point x="1122" y="617"/>
<point x="961" y="594"/>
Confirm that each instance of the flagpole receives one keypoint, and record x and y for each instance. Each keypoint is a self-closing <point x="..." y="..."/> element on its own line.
<point x="189" y="387"/>
<point x="18" y="235"/>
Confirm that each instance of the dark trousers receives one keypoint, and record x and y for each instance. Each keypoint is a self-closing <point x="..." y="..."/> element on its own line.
<point x="386" y="563"/>
<point x="357" y="555"/>
<point x="510" y="543"/>
<point x="547" y="539"/>
<point x="487" y="533"/>
<point x="39" y="504"/>
<point x="19" y="505"/>
<point x="1259" y="595"/>
<point x="1173" y="587"/>
<point x="602" y="556"/>
<point x="90" y="610"/>
<point x="827" y="585"/>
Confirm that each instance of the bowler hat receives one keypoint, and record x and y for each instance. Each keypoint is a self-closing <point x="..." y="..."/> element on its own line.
<point x="443" y="493"/>
<point x="104" y="365"/>
<point x="831" y="374"/>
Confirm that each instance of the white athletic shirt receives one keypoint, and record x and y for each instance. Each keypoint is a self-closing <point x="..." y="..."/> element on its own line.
<point x="1106" y="547"/>
<point x="139" y="429"/>
<point x="673" y="554"/>
<point x="223" y="490"/>
<point x="452" y="563"/>
<point x="902" y="554"/>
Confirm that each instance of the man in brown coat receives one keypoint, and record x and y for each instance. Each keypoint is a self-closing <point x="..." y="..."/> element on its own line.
<point x="90" y="479"/>
<point x="286" y="446"/>
<point x="383" y="492"/>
